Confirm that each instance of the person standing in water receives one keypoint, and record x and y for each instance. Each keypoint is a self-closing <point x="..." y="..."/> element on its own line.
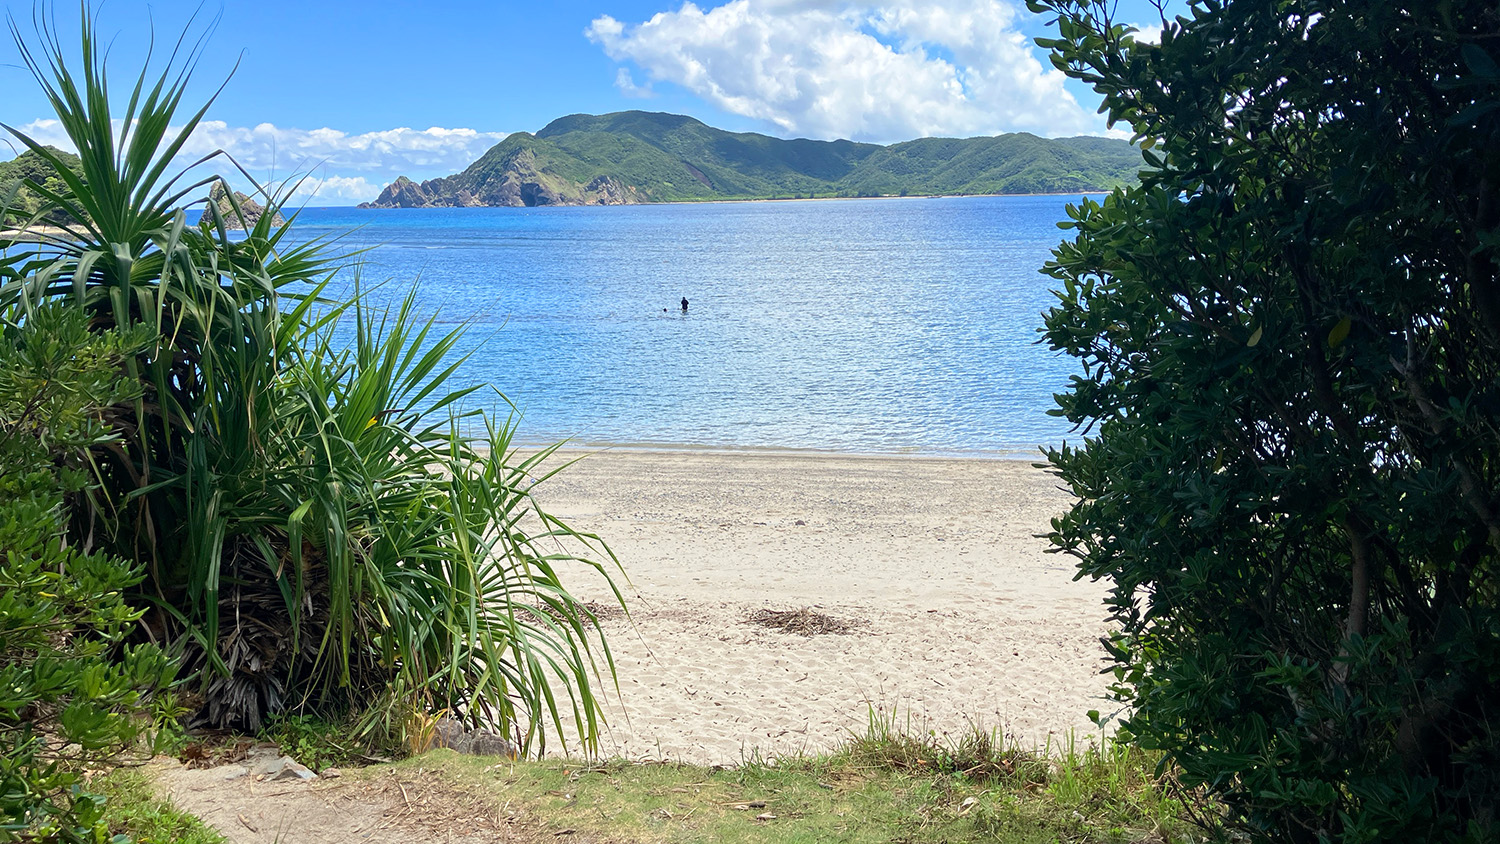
<point x="684" y="304"/>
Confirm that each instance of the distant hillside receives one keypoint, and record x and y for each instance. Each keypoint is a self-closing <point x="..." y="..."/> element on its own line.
<point x="23" y="202"/>
<point x="249" y="211"/>
<point x="636" y="156"/>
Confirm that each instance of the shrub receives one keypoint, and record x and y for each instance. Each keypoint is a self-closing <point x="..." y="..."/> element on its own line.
<point x="318" y="527"/>
<point x="1290" y="338"/>
<point x="68" y="690"/>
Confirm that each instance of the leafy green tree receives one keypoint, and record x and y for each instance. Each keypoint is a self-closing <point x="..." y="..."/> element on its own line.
<point x="1290" y="404"/>
<point x="68" y="688"/>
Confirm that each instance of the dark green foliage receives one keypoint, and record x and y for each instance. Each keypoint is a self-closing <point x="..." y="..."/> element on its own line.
<point x="24" y="203"/>
<point x="669" y="157"/>
<point x="1290" y="333"/>
<point x="68" y="689"/>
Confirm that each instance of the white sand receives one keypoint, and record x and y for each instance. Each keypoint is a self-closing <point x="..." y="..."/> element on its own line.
<point x="960" y="614"/>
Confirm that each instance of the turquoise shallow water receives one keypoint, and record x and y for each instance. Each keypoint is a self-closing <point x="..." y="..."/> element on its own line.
<point x="877" y="326"/>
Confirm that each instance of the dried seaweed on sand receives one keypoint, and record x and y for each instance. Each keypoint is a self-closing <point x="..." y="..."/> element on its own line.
<point x="803" y="622"/>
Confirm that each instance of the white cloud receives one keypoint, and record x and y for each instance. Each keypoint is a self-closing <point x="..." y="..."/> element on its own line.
<point x="336" y="190"/>
<point x="394" y="151"/>
<point x="870" y="70"/>
<point x="626" y="83"/>
<point x="1147" y="33"/>
<point x="342" y="168"/>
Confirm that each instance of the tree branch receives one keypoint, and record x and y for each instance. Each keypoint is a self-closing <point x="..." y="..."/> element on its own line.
<point x="1468" y="483"/>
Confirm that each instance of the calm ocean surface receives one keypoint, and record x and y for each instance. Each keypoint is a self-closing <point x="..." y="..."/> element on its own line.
<point x="875" y="326"/>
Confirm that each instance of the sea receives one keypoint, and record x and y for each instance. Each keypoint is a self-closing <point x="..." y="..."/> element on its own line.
<point x="875" y="326"/>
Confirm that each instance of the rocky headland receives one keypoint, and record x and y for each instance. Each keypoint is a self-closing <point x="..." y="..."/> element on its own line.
<point x="250" y="210"/>
<point x="635" y="156"/>
<point x="517" y="182"/>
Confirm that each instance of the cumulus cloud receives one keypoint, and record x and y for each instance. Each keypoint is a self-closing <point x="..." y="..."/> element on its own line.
<point x="1147" y="33"/>
<point x="871" y="70"/>
<point x="336" y="190"/>
<point x="341" y="167"/>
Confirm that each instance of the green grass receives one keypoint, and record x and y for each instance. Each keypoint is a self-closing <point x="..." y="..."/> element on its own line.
<point x="887" y="785"/>
<point x="133" y="810"/>
<point x="893" y="782"/>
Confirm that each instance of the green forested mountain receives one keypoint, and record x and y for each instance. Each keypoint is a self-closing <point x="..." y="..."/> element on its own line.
<point x="1018" y="163"/>
<point x="28" y="165"/>
<point x="636" y="156"/>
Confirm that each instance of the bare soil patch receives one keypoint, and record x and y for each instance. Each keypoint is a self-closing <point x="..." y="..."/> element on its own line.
<point x="378" y="805"/>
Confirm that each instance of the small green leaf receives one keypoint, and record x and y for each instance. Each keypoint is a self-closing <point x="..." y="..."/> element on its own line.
<point x="1339" y="332"/>
<point x="1255" y="336"/>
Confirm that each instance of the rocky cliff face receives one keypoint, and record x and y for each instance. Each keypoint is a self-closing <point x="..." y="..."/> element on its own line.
<point x="403" y="193"/>
<point x="251" y="209"/>
<point x="519" y="183"/>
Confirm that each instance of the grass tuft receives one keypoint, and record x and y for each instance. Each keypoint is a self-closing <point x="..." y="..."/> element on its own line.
<point x="133" y="810"/>
<point x="975" y="754"/>
<point x="890" y="784"/>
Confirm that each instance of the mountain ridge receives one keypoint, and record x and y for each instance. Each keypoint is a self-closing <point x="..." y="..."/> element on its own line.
<point x="634" y="157"/>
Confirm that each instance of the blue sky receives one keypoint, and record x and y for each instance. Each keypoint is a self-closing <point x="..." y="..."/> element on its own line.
<point x="359" y="92"/>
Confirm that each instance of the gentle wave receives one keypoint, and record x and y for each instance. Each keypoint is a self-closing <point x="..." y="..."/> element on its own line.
<point x="887" y="326"/>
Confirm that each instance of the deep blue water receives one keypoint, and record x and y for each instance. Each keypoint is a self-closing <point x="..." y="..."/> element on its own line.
<point x="900" y="325"/>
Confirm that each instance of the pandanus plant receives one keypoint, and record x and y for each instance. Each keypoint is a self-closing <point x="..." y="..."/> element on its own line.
<point x="321" y="526"/>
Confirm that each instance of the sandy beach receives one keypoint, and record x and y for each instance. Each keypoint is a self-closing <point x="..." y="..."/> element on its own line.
<point x="953" y="612"/>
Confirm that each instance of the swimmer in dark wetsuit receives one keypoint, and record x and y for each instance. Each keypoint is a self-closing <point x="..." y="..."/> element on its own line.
<point x="684" y="304"/>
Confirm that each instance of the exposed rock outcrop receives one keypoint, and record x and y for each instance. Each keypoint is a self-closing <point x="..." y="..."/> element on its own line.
<point x="518" y="182"/>
<point x="607" y="190"/>
<point x="402" y="193"/>
<point x="249" y="208"/>
<point x="453" y="734"/>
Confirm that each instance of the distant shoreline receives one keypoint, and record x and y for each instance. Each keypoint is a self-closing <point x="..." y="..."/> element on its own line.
<point x="34" y="234"/>
<point x="734" y="201"/>
<point x="842" y="198"/>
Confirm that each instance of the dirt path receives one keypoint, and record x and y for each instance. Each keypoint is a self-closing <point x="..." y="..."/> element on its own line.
<point x="371" y="806"/>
